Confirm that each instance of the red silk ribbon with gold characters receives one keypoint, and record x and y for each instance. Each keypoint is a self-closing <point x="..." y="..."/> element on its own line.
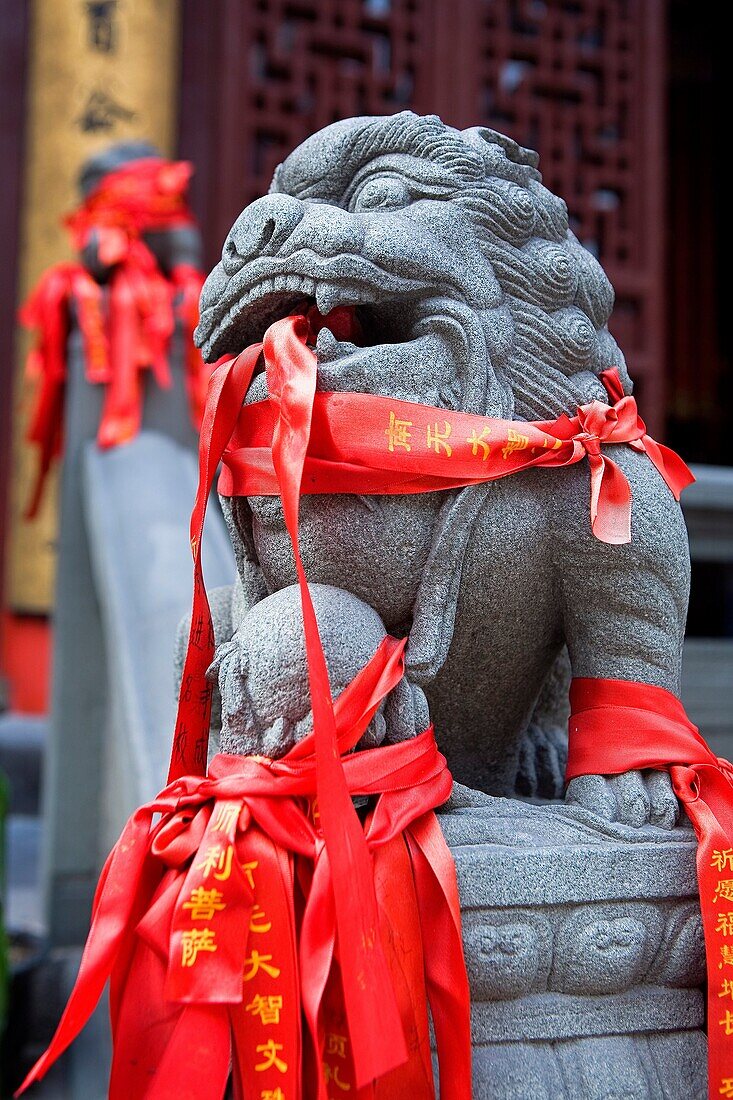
<point x="617" y="726"/>
<point x="126" y="329"/>
<point x="260" y="895"/>
<point x="368" y="444"/>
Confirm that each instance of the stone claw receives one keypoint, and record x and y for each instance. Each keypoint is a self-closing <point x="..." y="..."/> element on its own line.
<point x="634" y="798"/>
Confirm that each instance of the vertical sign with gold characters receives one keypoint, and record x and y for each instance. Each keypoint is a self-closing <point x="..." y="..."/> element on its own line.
<point x="100" y="71"/>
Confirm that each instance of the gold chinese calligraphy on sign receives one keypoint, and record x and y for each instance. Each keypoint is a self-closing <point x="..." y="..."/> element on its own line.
<point x="98" y="73"/>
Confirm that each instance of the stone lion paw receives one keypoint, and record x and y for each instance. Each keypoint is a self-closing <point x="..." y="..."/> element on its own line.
<point x="633" y="798"/>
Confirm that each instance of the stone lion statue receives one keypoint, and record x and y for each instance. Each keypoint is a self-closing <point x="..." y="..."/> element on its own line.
<point x="472" y="294"/>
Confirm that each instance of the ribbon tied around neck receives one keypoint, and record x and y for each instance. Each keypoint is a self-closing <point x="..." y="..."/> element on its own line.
<point x="369" y="444"/>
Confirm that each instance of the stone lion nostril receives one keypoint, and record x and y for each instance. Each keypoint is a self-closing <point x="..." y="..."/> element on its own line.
<point x="268" y="231"/>
<point x="261" y="229"/>
<point x="241" y="246"/>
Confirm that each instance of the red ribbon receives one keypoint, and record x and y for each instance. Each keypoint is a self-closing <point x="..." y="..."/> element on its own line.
<point x="126" y="331"/>
<point x="351" y="876"/>
<point x="369" y="444"/>
<point x="174" y="1019"/>
<point x="145" y="194"/>
<point x="618" y="726"/>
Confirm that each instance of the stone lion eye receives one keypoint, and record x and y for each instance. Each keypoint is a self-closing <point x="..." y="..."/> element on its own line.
<point x="385" y="192"/>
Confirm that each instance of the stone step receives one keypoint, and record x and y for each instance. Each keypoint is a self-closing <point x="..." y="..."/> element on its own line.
<point x="82" y="1072"/>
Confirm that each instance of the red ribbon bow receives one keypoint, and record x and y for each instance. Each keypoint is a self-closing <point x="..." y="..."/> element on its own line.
<point x="597" y="424"/>
<point x="126" y="329"/>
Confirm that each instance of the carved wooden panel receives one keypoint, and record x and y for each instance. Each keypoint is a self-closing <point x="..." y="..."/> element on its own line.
<point x="280" y="69"/>
<point x="581" y="81"/>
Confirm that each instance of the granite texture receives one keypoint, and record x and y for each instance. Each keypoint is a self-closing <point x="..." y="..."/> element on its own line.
<point x="262" y="673"/>
<point x="585" y="954"/>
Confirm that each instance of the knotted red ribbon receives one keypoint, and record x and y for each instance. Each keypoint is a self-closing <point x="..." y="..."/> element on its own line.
<point x="194" y="921"/>
<point x="369" y="444"/>
<point x="370" y="1007"/>
<point x="126" y="328"/>
<point x="359" y="882"/>
<point x="618" y="726"/>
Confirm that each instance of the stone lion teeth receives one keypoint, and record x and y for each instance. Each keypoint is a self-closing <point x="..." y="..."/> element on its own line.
<point x="327" y="297"/>
<point x="327" y="345"/>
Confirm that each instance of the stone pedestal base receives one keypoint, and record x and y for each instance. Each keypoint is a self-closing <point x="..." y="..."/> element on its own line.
<point x="585" y="954"/>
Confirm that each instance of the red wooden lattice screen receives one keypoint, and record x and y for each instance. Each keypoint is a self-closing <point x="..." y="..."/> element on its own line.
<point x="581" y="81"/>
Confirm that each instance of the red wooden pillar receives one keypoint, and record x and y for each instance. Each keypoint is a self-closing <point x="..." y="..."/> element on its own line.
<point x="18" y="634"/>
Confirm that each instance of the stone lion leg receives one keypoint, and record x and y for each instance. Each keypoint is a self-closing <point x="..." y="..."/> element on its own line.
<point x="624" y="611"/>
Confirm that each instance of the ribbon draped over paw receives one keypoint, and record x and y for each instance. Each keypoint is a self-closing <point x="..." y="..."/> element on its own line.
<point x="618" y="726"/>
<point x="126" y="327"/>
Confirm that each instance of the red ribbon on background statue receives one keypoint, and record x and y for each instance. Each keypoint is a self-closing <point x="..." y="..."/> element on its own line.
<point x="125" y="330"/>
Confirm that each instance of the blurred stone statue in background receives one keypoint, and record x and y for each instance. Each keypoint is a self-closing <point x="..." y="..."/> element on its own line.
<point x="132" y="295"/>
